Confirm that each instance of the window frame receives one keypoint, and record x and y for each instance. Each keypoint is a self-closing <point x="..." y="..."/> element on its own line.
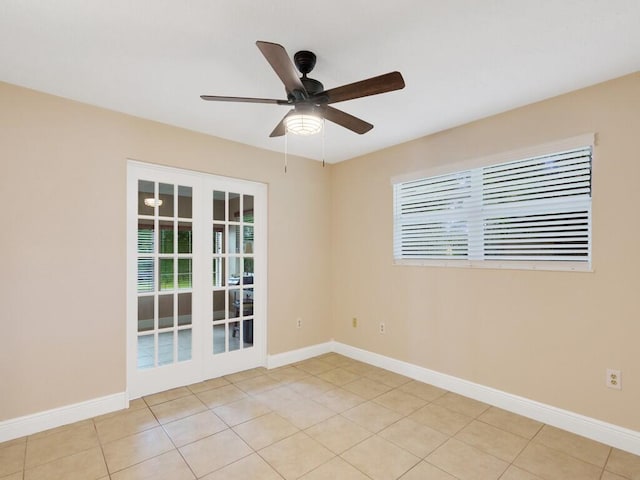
<point x="585" y="140"/>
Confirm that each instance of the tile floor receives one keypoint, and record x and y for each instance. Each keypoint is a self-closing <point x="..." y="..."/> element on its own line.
<point x="329" y="417"/>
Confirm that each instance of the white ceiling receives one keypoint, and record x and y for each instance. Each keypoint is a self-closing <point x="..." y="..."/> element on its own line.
<point x="461" y="59"/>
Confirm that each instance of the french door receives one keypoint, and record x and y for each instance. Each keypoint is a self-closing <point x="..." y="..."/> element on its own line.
<point x="196" y="289"/>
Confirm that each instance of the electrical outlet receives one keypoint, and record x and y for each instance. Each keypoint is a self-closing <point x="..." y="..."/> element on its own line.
<point x="614" y="379"/>
<point x="299" y="322"/>
<point x="383" y="329"/>
<point x="354" y="322"/>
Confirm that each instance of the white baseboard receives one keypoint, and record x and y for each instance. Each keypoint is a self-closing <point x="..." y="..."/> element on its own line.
<point x="293" y="356"/>
<point x="38" y="422"/>
<point x="609" y="434"/>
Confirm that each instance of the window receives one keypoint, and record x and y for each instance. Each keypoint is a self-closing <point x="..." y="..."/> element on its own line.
<point x="529" y="213"/>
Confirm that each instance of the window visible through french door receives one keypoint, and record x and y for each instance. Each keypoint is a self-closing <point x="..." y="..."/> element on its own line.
<point x="196" y="284"/>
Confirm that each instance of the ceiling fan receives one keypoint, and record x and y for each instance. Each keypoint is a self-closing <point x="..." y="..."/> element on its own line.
<point x="310" y="101"/>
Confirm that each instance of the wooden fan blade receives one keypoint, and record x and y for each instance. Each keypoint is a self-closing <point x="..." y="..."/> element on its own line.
<point x="346" y="120"/>
<point x="281" y="129"/>
<point x="216" y="98"/>
<point x="279" y="60"/>
<point x="372" y="86"/>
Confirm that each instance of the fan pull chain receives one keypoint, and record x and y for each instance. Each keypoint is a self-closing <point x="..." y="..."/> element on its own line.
<point x="324" y="124"/>
<point x="286" y="150"/>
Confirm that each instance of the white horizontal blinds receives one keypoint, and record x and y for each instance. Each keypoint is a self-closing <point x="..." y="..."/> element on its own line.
<point x="430" y="218"/>
<point x="538" y="208"/>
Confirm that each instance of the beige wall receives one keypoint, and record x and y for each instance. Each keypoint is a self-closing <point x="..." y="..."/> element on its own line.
<point x="62" y="288"/>
<point x="547" y="336"/>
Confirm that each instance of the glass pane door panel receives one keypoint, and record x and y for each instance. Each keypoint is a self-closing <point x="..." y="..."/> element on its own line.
<point x="146" y="351"/>
<point x="247" y="239"/>
<point x="185" y="273"/>
<point x="165" y="348"/>
<point x="146" y="197"/>
<point x="185" y="208"/>
<point x="218" y="272"/>
<point x="145" y="275"/>
<point x="165" y="197"/>
<point x="219" y="201"/>
<point x="184" y="309"/>
<point x="218" y="239"/>
<point x="184" y="345"/>
<point x="234" y="340"/>
<point x="145" y="236"/>
<point x="165" y="311"/>
<point x="219" y="338"/>
<point x="145" y="313"/>
<point x="166" y="274"/>
<point x="165" y="234"/>
<point x="247" y="208"/>
<point x="247" y="302"/>
<point x="234" y="270"/>
<point x="185" y="237"/>
<point x="234" y="207"/>
<point x="247" y="333"/>
<point x="234" y="303"/>
<point x="219" y="305"/>
<point x="234" y="238"/>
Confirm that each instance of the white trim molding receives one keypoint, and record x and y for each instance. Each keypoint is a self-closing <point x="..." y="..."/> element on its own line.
<point x="38" y="422"/>
<point x="293" y="356"/>
<point x="607" y="433"/>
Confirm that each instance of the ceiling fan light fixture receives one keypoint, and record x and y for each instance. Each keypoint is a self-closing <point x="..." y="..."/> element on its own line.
<point x="303" y="123"/>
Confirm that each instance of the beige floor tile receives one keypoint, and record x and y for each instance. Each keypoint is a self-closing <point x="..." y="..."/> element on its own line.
<point x="245" y="375"/>
<point x="423" y="390"/>
<point x="265" y="430"/>
<point x="624" y="463"/>
<point x="333" y="358"/>
<point x="166" y="396"/>
<point x="278" y="397"/>
<point x="61" y="429"/>
<point x="515" y="473"/>
<point x="12" y="458"/>
<point x="87" y="465"/>
<point x="311" y="387"/>
<point x="68" y="441"/>
<point x="221" y="396"/>
<point x="194" y="427"/>
<point x="425" y="471"/>
<point x="241" y="411"/>
<point x="511" y="422"/>
<point x="335" y="469"/>
<point x="339" y="400"/>
<point x="414" y="437"/>
<point x="128" y="451"/>
<point x="549" y="463"/>
<point x="458" y="403"/>
<point x="18" y="476"/>
<point x="168" y="466"/>
<point x="258" y="384"/>
<point x="441" y="419"/>
<point x="402" y="402"/>
<point x="179" y="408"/>
<point x="338" y="433"/>
<point x="579" y="447"/>
<point x="314" y="366"/>
<point x="339" y="376"/>
<point x="492" y="440"/>
<point x="208" y="385"/>
<point x="124" y="424"/>
<point x="12" y="443"/>
<point x="612" y="476"/>
<point x="372" y="416"/>
<point x="214" y="452"/>
<point x="136" y="404"/>
<point x="390" y="379"/>
<point x="296" y="455"/>
<point x="380" y="459"/>
<point x="466" y="462"/>
<point x="367" y="388"/>
<point x="252" y="467"/>
<point x="305" y="413"/>
<point x="287" y="374"/>
<point x="359" y="367"/>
